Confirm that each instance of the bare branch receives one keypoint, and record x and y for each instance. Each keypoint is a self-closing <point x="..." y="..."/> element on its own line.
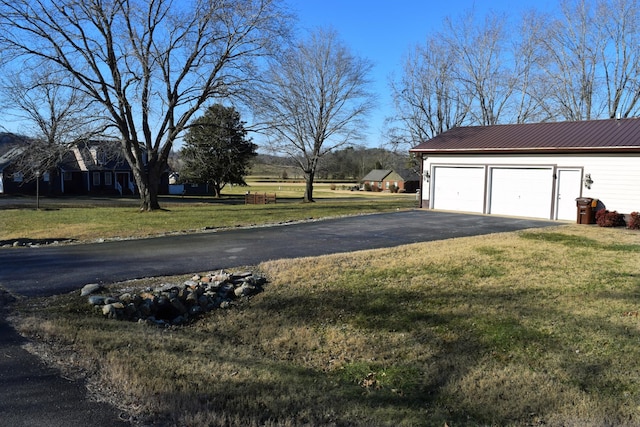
<point x="151" y="64"/>
<point x="315" y="100"/>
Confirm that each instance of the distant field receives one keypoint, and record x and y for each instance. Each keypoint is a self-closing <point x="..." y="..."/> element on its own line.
<point x="322" y="190"/>
<point x="274" y="171"/>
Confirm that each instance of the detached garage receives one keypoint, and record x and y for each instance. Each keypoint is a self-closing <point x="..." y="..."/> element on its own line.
<point x="533" y="170"/>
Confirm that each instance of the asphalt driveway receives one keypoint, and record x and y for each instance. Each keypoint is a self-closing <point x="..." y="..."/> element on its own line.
<point x="49" y="270"/>
<point x="32" y="394"/>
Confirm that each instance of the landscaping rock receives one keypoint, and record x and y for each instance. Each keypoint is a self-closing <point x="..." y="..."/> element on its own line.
<point x="90" y="289"/>
<point x="175" y="304"/>
<point x="244" y="290"/>
<point x="97" y="299"/>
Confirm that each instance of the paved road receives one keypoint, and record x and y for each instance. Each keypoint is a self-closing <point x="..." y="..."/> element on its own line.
<point x="32" y="394"/>
<point x="57" y="269"/>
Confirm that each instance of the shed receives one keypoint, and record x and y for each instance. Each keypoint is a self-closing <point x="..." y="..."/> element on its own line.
<point x="532" y="170"/>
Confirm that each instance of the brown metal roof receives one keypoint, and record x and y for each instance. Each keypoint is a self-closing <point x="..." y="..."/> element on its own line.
<point x="612" y="135"/>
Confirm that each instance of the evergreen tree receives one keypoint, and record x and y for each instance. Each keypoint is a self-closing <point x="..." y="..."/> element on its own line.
<point x="217" y="151"/>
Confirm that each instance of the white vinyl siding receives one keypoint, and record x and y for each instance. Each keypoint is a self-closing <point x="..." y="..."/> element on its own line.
<point x="615" y="179"/>
<point x="615" y="182"/>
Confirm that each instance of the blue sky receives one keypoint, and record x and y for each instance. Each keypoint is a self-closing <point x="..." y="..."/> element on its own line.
<point x="384" y="31"/>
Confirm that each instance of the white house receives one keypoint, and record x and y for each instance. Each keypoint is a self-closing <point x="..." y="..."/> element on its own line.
<point x="533" y="170"/>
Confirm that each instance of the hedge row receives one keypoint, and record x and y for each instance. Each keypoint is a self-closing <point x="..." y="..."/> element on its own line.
<point x="605" y="218"/>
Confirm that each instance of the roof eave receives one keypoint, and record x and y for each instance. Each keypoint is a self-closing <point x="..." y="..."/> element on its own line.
<point x="528" y="150"/>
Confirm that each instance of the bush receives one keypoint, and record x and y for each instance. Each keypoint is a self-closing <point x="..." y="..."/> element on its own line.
<point x="333" y="187"/>
<point x="634" y="221"/>
<point x="605" y="218"/>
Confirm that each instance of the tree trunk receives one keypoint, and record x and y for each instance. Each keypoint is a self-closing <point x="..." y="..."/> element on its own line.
<point x="308" y="191"/>
<point x="149" y="199"/>
<point x="148" y="182"/>
<point x="217" y="189"/>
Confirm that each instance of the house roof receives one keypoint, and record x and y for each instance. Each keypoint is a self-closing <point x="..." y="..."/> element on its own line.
<point x="94" y="155"/>
<point x="86" y="156"/>
<point x="381" y="174"/>
<point x="11" y="146"/>
<point x="622" y="135"/>
<point x="408" y="175"/>
<point x="377" y="175"/>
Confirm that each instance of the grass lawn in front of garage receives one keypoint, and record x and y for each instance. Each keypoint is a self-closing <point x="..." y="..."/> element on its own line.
<point x="535" y="327"/>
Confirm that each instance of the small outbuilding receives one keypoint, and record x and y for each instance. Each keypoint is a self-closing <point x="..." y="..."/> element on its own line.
<point x="533" y="170"/>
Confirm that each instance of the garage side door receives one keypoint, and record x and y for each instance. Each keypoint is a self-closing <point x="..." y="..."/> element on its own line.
<point x="569" y="181"/>
<point x="458" y="188"/>
<point x="521" y="192"/>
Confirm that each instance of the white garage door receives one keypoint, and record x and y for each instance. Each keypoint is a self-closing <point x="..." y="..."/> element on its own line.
<point x="458" y="188"/>
<point x="521" y="192"/>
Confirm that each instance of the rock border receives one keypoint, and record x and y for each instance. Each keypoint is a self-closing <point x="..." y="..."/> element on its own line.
<point x="173" y="304"/>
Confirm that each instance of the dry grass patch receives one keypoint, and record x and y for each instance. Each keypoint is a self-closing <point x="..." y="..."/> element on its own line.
<point x="526" y="328"/>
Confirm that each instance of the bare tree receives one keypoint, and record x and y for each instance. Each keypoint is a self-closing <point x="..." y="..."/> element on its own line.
<point x="314" y="101"/>
<point x="470" y="73"/>
<point x="619" y="55"/>
<point x="55" y="115"/>
<point x="530" y="91"/>
<point x="427" y="97"/>
<point x="591" y="61"/>
<point x="483" y="67"/>
<point x="572" y="44"/>
<point x="151" y="64"/>
<point x="581" y="64"/>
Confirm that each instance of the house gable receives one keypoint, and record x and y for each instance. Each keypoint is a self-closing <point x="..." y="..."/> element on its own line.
<point x="376" y="175"/>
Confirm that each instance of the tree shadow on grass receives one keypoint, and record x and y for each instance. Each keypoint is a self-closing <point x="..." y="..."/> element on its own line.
<point x="493" y="341"/>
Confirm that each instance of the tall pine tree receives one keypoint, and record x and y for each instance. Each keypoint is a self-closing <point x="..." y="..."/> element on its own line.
<point x="217" y="151"/>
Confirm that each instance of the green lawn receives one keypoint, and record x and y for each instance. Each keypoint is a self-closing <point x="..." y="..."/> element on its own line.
<point x="62" y="219"/>
<point x="537" y="327"/>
